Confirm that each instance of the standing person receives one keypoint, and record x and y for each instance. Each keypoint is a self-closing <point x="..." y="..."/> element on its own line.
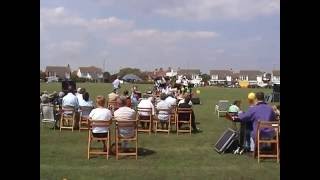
<point x="116" y="84"/>
<point x="103" y="114"/>
<point x="260" y="111"/>
<point x="134" y="97"/>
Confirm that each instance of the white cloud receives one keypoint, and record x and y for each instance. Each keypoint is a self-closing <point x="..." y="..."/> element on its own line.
<point x="60" y="17"/>
<point x="221" y="9"/>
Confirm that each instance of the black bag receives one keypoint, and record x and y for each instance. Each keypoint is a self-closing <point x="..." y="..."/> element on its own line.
<point x="228" y="141"/>
<point x="195" y="100"/>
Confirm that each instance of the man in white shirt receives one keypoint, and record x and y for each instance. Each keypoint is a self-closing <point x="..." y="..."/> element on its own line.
<point x="70" y="99"/>
<point x="171" y="100"/>
<point x="125" y="113"/>
<point x="146" y="103"/>
<point x="103" y="114"/>
<point x="163" y="116"/>
<point x="116" y="83"/>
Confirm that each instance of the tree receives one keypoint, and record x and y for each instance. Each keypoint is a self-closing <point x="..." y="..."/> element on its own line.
<point x="135" y="71"/>
<point x="42" y="75"/>
<point x="205" y="77"/>
<point x="106" y="77"/>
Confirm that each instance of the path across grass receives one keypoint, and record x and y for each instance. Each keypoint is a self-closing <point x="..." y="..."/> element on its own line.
<point x="64" y="154"/>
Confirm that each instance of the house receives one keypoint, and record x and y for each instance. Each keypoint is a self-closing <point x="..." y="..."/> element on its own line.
<point x="90" y="72"/>
<point x="191" y="74"/>
<point x="251" y="76"/>
<point x="220" y="76"/>
<point x="275" y="77"/>
<point x="61" y="72"/>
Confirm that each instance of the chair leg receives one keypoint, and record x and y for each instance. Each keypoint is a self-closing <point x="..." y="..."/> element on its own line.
<point x="89" y="146"/>
<point x="61" y="121"/>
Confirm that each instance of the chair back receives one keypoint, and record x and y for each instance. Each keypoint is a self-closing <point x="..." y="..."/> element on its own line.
<point x="163" y="112"/>
<point x="223" y="105"/>
<point x="184" y="114"/>
<point x="126" y="123"/>
<point x="93" y="123"/>
<point x="68" y="110"/>
<point x="144" y="110"/>
<point x="85" y="110"/>
<point x="47" y="112"/>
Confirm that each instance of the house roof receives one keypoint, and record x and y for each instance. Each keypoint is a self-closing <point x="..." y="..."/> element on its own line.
<point x="276" y="72"/>
<point x="221" y="73"/>
<point x="90" y="70"/>
<point x="188" y="71"/>
<point x="252" y="74"/>
<point x="59" y="70"/>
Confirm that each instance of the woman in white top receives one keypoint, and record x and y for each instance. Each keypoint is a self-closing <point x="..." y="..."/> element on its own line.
<point x="103" y="114"/>
<point x="85" y="101"/>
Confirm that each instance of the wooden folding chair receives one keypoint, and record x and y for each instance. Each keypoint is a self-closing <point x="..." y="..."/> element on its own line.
<point x="67" y="120"/>
<point x="273" y="141"/>
<point x="98" y="123"/>
<point x="132" y="124"/>
<point x="173" y="116"/>
<point x="148" y="121"/>
<point x="186" y="112"/>
<point x="84" y="117"/>
<point x="157" y="121"/>
<point x="47" y="113"/>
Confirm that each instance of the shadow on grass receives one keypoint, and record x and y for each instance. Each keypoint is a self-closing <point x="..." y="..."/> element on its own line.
<point x="145" y="152"/>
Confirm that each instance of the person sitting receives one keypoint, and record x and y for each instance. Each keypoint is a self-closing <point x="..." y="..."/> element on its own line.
<point x="100" y="114"/>
<point x="184" y="97"/>
<point x="60" y="97"/>
<point x="260" y="111"/>
<point x="85" y="100"/>
<point x="146" y="103"/>
<point x="70" y="99"/>
<point x="126" y="94"/>
<point x="171" y="100"/>
<point x="125" y="113"/>
<point x="113" y="95"/>
<point x="163" y="116"/>
<point x="80" y="93"/>
<point x="235" y="108"/>
<point x="186" y="104"/>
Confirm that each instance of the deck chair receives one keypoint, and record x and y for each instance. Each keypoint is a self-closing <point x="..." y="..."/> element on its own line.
<point x="186" y="112"/>
<point x="148" y="121"/>
<point x="156" y="121"/>
<point x="91" y="138"/>
<point x="173" y="116"/>
<point x="47" y="113"/>
<point x="222" y="107"/>
<point x="84" y="117"/>
<point x="273" y="141"/>
<point x="68" y="116"/>
<point x="122" y="124"/>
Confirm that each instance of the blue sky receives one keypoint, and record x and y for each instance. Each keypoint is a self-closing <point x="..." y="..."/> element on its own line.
<point x="148" y="34"/>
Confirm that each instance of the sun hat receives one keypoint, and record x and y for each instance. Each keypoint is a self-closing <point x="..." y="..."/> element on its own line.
<point x="251" y="96"/>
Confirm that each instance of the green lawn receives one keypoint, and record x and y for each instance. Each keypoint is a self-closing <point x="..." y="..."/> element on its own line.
<point x="64" y="154"/>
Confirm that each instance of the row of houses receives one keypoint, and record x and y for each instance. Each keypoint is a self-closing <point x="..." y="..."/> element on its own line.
<point x="217" y="76"/>
<point x="64" y="72"/>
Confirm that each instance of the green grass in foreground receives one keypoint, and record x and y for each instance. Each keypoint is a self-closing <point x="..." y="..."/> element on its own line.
<point x="63" y="154"/>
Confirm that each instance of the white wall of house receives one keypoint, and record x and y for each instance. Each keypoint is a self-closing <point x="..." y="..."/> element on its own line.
<point x="229" y="78"/>
<point x="214" y="77"/>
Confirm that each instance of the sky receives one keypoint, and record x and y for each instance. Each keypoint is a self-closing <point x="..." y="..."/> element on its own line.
<point x="149" y="34"/>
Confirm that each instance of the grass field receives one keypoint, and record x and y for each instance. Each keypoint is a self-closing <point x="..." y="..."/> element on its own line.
<point x="64" y="154"/>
